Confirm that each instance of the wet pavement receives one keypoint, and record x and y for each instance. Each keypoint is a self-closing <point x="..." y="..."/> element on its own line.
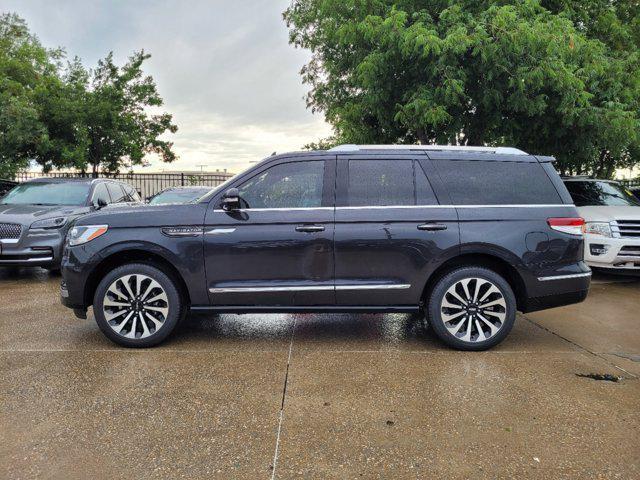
<point x="318" y="396"/>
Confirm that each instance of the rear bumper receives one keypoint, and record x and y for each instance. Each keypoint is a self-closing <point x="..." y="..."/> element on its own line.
<point x="556" y="289"/>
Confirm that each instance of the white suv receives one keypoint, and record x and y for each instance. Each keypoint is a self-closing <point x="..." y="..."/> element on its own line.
<point x="612" y="228"/>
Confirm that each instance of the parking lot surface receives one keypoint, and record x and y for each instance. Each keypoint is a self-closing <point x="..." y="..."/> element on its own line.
<point x="318" y="396"/>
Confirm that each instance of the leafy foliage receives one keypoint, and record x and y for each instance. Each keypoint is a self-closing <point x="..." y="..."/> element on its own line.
<point x="61" y="115"/>
<point x="559" y="77"/>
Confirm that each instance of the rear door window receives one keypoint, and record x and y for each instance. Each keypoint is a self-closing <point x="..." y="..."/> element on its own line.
<point x="472" y="182"/>
<point x="388" y="183"/>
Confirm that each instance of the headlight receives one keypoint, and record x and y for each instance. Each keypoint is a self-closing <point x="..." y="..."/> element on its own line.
<point x="598" y="228"/>
<point x="85" y="233"/>
<point x="49" y="224"/>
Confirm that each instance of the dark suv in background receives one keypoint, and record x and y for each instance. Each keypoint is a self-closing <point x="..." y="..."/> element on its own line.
<point x="465" y="235"/>
<point x="36" y="215"/>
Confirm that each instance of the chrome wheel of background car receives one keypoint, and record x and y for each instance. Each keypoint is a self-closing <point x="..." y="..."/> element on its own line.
<point x="135" y="306"/>
<point x="473" y="310"/>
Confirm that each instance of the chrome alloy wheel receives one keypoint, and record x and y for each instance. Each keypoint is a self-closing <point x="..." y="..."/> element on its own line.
<point x="473" y="310"/>
<point x="135" y="306"/>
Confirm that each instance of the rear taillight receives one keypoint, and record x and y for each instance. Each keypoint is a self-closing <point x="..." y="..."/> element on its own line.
<point x="572" y="226"/>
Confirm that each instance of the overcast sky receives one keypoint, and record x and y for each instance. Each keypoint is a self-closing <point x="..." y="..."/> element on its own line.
<point x="224" y="68"/>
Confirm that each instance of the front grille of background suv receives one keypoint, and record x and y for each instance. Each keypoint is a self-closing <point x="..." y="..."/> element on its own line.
<point x="626" y="228"/>
<point x="10" y="231"/>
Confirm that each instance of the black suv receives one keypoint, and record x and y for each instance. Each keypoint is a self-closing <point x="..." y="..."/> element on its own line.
<point x="35" y="216"/>
<point x="462" y="235"/>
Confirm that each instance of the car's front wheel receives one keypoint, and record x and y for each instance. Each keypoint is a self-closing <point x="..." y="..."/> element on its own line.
<point x="137" y="305"/>
<point x="472" y="308"/>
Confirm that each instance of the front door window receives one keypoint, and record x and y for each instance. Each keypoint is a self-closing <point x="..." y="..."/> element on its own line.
<point x="288" y="185"/>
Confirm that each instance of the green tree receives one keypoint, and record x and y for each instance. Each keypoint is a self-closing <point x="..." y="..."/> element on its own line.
<point x="64" y="116"/>
<point x="477" y="72"/>
<point x="119" y="129"/>
<point x="34" y="102"/>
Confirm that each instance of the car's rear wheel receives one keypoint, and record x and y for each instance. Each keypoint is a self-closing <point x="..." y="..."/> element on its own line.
<point x="137" y="305"/>
<point x="472" y="308"/>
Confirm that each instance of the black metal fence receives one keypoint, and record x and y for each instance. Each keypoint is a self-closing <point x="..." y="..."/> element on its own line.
<point x="146" y="183"/>
<point x="631" y="183"/>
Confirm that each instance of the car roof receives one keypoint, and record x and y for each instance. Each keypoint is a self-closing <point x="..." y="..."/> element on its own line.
<point x="586" y="179"/>
<point x="86" y="180"/>
<point x="456" y="153"/>
<point x="60" y="180"/>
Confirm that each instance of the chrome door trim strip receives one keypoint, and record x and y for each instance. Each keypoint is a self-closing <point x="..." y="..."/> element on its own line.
<point x="271" y="289"/>
<point x="386" y="207"/>
<point x="564" y="277"/>
<point x="219" y="231"/>
<point x="308" y="288"/>
<point x="395" y="286"/>
<point x="218" y="210"/>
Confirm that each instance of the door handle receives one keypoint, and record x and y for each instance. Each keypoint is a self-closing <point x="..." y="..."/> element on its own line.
<point x="432" y="227"/>
<point x="309" y="228"/>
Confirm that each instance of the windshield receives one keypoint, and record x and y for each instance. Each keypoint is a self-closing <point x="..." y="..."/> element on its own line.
<point x="594" y="194"/>
<point x="67" y="193"/>
<point x="178" y="196"/>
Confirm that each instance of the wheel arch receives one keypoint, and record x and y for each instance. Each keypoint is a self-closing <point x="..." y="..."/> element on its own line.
<point x="491" y="261"/>
<point x="128" y="255"/>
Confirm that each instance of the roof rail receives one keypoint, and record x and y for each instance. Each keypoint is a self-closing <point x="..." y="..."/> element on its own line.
<point x="501" y="150"/>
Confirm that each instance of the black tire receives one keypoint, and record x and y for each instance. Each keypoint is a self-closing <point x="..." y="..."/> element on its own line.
<point x="448" y="281"/>
<point x="174" y="304"/>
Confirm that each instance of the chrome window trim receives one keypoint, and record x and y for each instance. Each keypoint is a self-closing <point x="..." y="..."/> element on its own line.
<point x="309" y="288"/>
<point x="379" y="207"/>
<point x="564" y="277"/>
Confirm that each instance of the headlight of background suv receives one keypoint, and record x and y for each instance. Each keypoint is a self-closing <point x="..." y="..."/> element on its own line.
<point x="598" y="228"/>
<point x="85" y="233"/>
<point x="49" y="224"/>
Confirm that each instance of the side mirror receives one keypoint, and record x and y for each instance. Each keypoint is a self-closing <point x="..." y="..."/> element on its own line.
<point x="99" y="203"/>
<point x="231" y="199"/>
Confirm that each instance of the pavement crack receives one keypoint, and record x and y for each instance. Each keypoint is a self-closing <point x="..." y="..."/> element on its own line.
<point x="577" y="345"/>
<point x="284" y="396"/>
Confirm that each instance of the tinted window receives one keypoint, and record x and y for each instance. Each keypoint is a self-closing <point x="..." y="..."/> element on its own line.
<point x="288" y="185"/>
<point x="587" y="194"/>
<point x="132" y="195"/>
<point x="388" y="182"/>
<point x="497" y="183"/>
<point x="181" y="195"/>
<point x="64" y="193"/>
<point x="116" y="192"/>
<point x="100" y="193"/>
<point x="424" y="192"/>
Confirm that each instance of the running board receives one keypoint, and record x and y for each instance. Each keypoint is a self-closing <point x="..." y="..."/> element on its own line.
<point x="305" y="309"/>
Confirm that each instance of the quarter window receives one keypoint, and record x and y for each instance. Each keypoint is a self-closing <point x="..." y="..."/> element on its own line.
<point x="497" y="183"/>
<point x="100" y="193"/>
<point x="116" y="192"/>
<point x="388" y="182"/>
<point x="287" y="185"/>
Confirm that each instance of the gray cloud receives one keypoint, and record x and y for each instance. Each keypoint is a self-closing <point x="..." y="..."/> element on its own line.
<point x="224" y="68"/>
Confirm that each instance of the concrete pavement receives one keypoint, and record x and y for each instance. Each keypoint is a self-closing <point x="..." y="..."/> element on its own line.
<point x="318" y="396"/>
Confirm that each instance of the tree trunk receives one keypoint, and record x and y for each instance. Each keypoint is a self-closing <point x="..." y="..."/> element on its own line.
<point x="422" y="136"/>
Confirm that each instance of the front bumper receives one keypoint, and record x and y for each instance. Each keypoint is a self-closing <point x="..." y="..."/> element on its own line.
<point x="615" y="254"/>
<point x="33" y="249"/>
